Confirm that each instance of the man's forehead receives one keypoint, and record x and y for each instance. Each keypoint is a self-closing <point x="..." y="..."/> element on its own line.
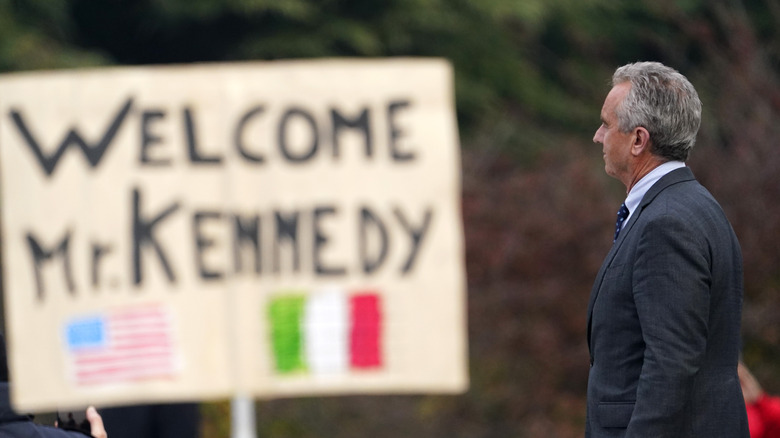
<point x="614" y="97"/>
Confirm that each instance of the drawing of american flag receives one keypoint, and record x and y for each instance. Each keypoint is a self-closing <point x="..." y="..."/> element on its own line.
<point x="121" y="345"/>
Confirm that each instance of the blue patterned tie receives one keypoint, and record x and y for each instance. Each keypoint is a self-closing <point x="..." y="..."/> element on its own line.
<point x="622" y="214"/>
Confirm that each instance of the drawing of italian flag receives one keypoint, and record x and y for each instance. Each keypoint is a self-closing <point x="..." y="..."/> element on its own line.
<point x="326" y="332"/>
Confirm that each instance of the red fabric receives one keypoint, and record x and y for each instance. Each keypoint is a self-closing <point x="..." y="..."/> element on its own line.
<point x="764" y="417"/>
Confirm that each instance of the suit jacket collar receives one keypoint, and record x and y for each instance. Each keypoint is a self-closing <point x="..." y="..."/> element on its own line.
<point x="674" y="177"/>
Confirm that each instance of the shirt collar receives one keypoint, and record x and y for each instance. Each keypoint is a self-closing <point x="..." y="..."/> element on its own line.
<point x="643" y="185"/>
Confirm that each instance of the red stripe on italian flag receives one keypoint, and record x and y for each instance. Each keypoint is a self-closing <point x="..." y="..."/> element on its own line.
<point x="326" y="332"/>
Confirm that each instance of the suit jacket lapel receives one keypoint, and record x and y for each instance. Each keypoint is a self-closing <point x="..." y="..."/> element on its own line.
<point x="671" y="178"/>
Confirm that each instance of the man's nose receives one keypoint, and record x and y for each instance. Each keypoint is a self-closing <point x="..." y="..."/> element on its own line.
<point x="598" y="137"/>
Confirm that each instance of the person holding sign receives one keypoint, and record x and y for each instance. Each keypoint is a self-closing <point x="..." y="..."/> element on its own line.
<point x="15" y="425"/>
<point x="665" y="309"/>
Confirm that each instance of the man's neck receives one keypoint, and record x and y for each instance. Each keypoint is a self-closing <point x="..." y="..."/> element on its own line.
<point x="642" y="168"/>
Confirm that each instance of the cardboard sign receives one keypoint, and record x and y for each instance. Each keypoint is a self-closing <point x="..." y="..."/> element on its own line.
<point x="189" y="232"/>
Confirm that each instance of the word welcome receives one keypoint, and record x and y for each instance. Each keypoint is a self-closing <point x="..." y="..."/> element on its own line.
<point x="319" y="135"/>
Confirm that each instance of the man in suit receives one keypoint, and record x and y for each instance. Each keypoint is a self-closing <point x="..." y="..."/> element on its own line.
<point x="665" y="309"/>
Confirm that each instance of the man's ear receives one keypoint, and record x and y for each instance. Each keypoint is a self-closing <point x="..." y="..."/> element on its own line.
<point x="641" y="141"/>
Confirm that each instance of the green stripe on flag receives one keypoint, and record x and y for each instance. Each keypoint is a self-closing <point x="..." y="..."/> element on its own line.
<point x="286" y="315"/>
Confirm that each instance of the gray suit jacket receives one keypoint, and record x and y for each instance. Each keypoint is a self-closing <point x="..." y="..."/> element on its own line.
<point x="664" y="321"/>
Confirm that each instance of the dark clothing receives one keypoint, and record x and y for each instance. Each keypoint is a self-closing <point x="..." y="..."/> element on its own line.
<point x="13" y="425"/>
<point x="175" y="420"/>
<point x="664" y="321"/>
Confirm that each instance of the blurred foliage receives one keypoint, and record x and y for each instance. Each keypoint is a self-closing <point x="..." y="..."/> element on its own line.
<point x="530" y="79"/>
<point x="494" y="45"/>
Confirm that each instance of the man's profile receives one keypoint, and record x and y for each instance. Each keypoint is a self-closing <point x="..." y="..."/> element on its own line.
<point x="664" y="313"/>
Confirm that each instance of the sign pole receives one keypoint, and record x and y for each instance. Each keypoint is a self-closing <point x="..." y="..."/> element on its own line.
<point x="242" y="417"/>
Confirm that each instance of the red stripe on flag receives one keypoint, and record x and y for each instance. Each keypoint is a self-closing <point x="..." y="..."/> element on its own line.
<point x="365" y="331"/>
<point x="107" y="358"/>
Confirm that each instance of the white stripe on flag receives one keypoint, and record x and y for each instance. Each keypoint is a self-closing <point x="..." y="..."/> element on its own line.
<point x="325" y="335"/>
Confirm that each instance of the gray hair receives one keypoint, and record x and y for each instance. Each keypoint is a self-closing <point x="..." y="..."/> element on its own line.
<point x="662" y="101"/>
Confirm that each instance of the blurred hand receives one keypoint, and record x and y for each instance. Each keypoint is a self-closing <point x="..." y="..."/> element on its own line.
<point x="751" y="389"/>
<point x="96" y="423"/>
